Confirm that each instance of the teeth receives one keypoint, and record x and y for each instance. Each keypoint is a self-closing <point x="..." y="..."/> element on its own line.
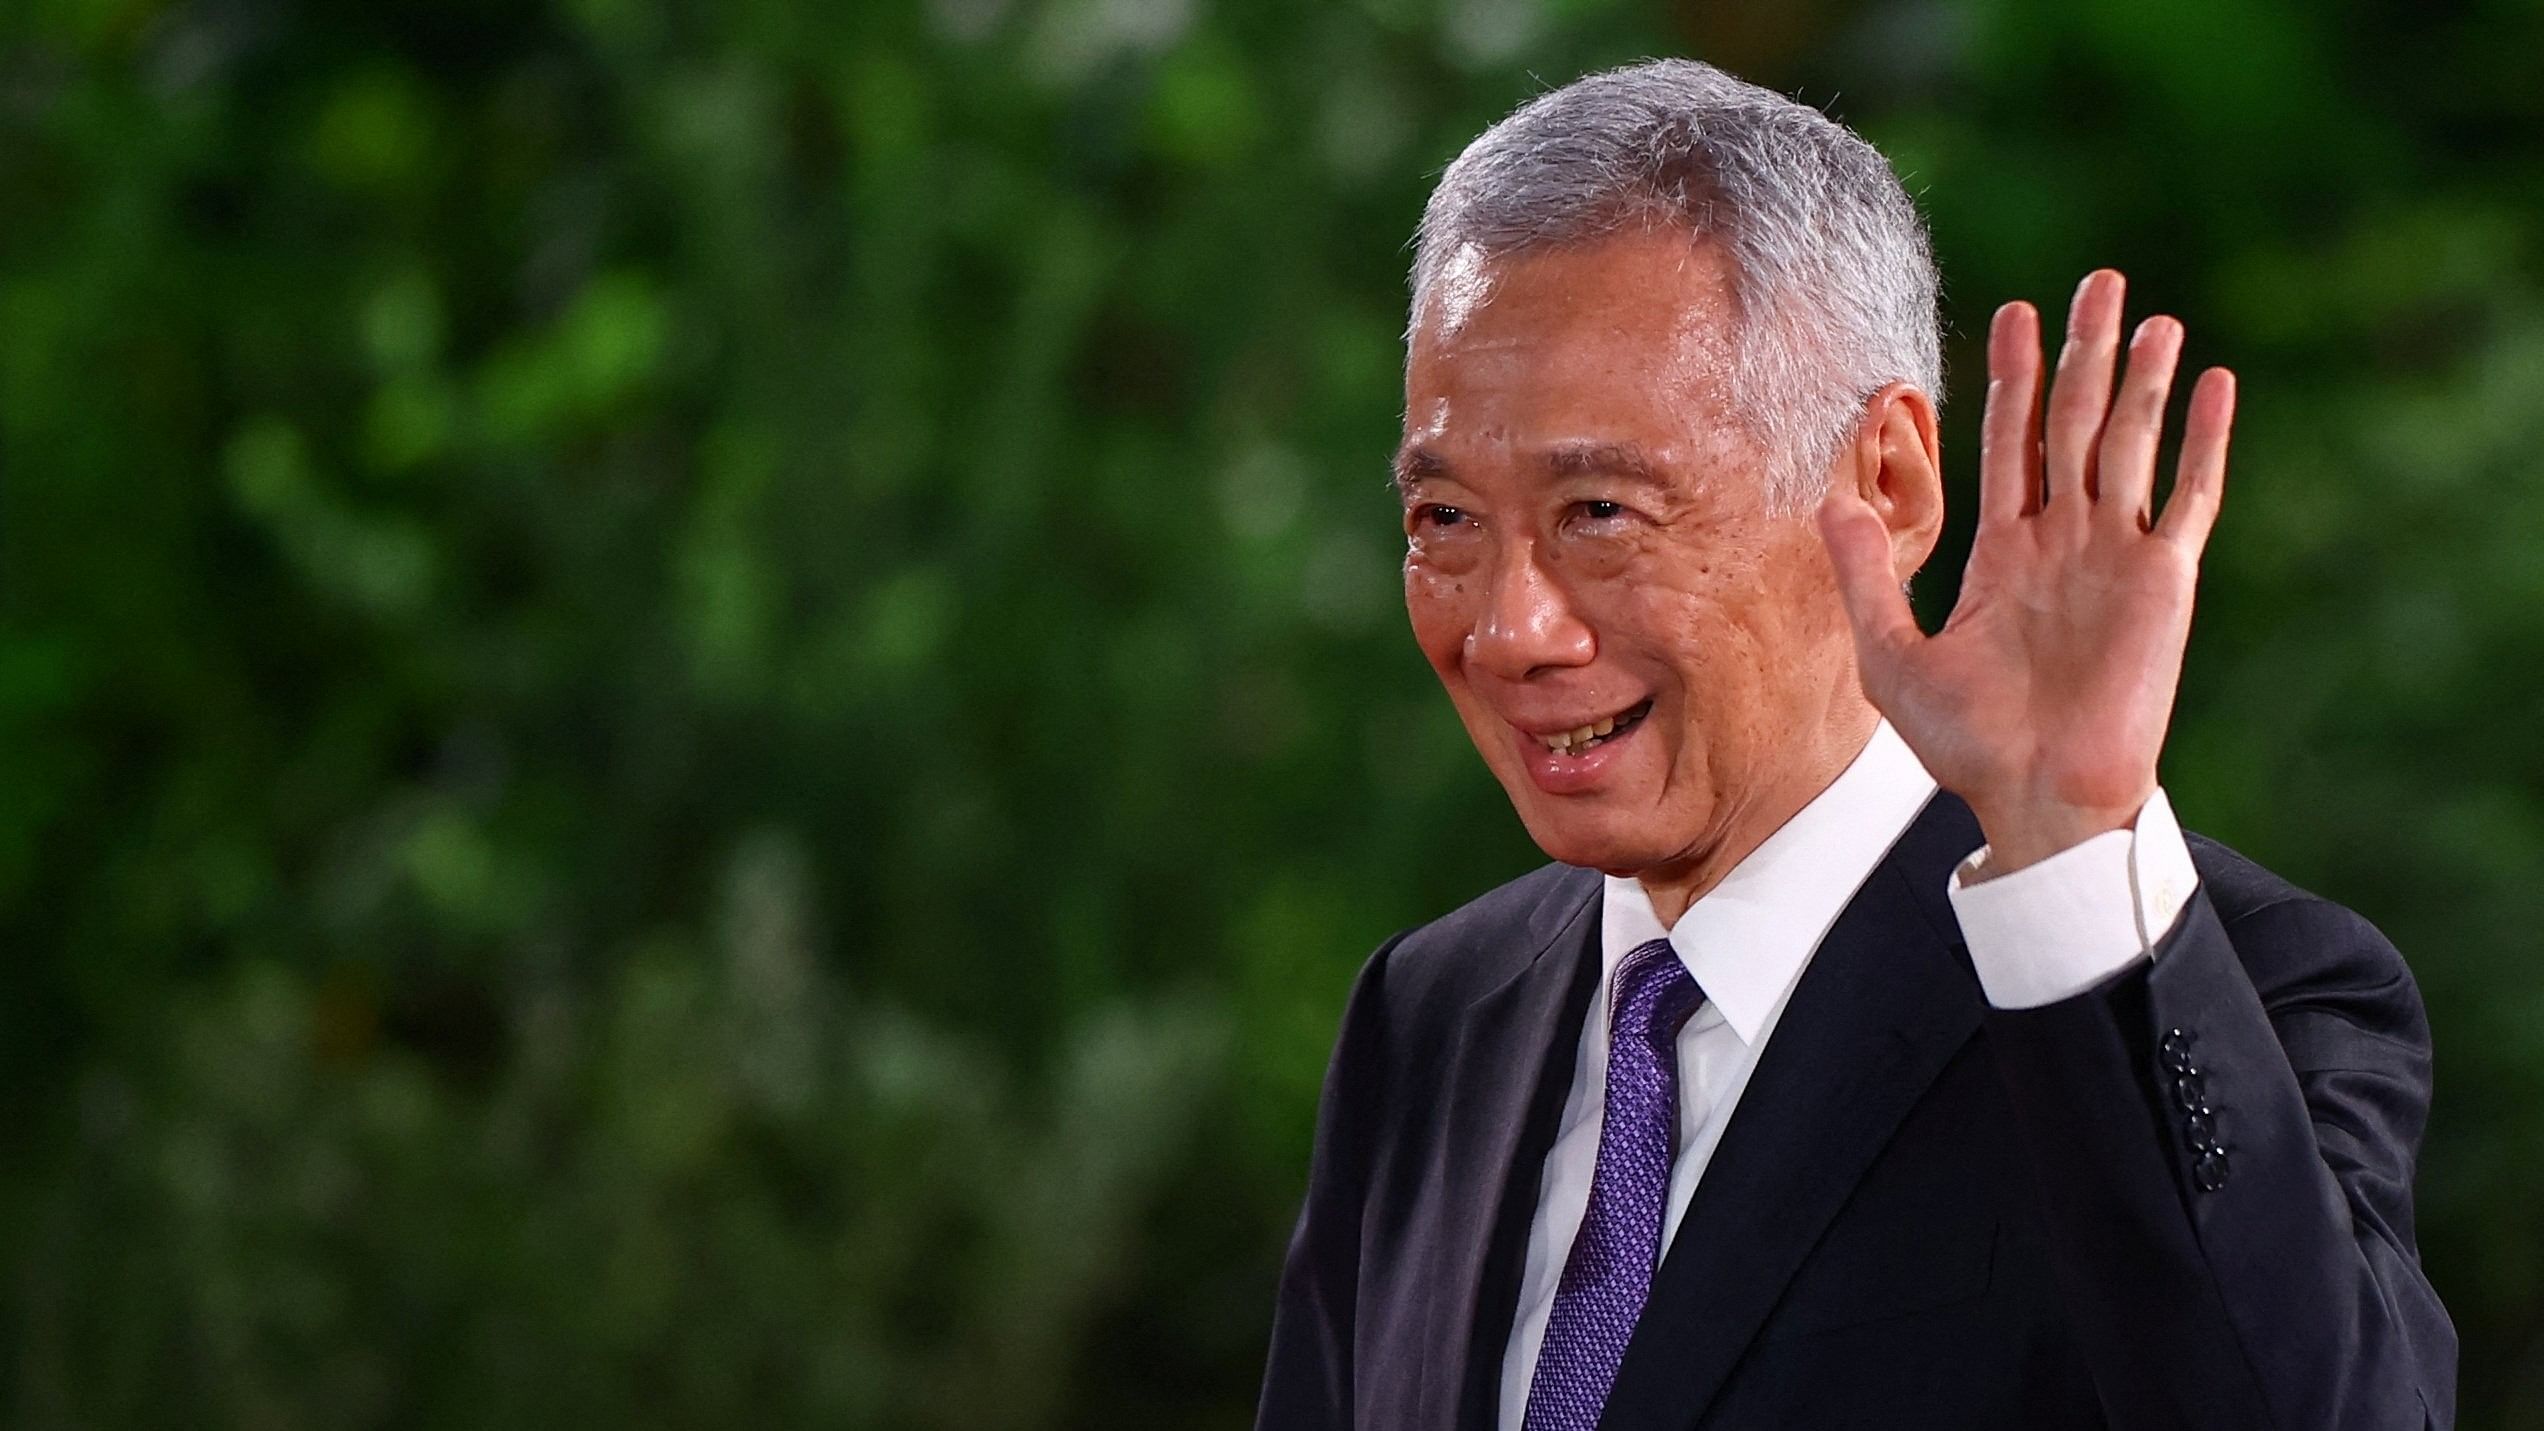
<point x="1571" y="742"/>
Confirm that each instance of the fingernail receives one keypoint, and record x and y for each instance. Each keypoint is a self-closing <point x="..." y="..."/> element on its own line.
<point x="2086" y="301"/>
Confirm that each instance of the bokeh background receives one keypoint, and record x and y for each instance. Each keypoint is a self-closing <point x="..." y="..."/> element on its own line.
<point x="701" y="705"/>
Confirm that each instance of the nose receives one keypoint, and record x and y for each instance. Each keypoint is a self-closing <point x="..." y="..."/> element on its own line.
<point x="1527" y="624"/>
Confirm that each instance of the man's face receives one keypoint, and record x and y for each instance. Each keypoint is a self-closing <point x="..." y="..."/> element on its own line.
<point x="1646" y="656"/>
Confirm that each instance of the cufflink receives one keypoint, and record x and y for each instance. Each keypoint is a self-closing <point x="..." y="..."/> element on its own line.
<point x="2167" y="894"/>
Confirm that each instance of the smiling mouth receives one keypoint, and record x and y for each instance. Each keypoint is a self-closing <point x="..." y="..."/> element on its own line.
<point x="1581" y="738"/>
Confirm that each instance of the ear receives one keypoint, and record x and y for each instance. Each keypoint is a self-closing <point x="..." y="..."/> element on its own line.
<point x="1895" y="464"/>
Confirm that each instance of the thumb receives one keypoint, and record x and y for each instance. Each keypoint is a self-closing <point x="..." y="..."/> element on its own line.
<point x="1859" y="551"/>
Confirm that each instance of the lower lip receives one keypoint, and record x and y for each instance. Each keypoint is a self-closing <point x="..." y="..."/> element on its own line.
<point x="1572" y="774"/>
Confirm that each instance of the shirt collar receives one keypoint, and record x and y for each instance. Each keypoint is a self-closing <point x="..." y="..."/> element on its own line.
<point x="1746" y="939"/>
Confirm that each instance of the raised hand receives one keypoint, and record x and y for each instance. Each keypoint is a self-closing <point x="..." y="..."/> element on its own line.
<point x="2043" y="700"/>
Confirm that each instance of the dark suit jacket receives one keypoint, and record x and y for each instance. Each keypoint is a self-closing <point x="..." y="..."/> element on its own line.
<point x="1925" y="1211"/>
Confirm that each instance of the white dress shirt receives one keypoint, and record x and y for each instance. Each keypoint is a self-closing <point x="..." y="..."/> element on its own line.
<point x="2042" y="933"/>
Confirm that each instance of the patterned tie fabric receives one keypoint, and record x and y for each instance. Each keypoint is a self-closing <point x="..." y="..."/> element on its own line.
<point x="1609" y="1273"/>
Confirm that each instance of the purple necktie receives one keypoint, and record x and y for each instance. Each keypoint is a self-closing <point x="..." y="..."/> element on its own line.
<point x="1609" y="1273"/>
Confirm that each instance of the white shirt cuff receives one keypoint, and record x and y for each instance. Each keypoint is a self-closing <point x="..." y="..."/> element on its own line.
<point x="2052" y="930"/>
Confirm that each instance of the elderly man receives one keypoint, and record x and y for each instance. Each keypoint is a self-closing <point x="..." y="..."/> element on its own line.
<point x="1878" y="1051"/>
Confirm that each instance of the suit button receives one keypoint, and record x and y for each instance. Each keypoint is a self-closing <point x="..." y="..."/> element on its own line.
<point x="2200" y="1129"/>
<point x="2176" y="1049"/>
<point x="2210" y="1170"/>
<point x="2190" y="1091"/>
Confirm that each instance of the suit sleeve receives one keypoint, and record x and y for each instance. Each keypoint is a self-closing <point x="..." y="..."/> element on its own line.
<point x="2228" y="1176"/>
<point x="1307" y="1378"/>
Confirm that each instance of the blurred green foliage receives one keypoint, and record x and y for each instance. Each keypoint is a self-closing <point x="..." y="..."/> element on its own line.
<point x="701" y="704"/>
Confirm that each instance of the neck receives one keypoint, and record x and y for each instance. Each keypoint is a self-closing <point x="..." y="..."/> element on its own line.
<point x="1675" y="886"/>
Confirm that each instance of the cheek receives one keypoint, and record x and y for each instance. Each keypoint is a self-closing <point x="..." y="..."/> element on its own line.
<point x="1620" y="585"/>
<point x="1609" y="557"/>
<point x="1704" y="618"/>
<point x="1760" y="642"/>
<point x="1796" y="607"/>
<point x="1441" y="608"/>
<point x="1644" y="587"/>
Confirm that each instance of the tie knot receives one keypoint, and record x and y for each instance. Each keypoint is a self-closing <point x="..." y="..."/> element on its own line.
<point x="1654" y="994"/>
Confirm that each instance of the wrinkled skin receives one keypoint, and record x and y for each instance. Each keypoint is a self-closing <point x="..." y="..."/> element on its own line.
<point x="2044" y="699"/>
<point x="1588" y="529"/>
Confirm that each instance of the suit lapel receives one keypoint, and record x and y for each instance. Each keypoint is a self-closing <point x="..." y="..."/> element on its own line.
<point x="1884" y="1004"/>
<point x="1509" y="1070"/>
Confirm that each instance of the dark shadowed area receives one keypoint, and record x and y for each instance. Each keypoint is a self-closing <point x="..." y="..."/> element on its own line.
<point x="702" y="705"/>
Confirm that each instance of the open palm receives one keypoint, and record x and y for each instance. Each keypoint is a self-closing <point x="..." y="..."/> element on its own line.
<point x="2043" y="700"/>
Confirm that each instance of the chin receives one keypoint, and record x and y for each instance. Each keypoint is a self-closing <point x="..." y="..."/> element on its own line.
<point x="1616" y="847"/>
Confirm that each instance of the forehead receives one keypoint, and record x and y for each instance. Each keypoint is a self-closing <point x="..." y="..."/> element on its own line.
<point x="1627" y="339"/>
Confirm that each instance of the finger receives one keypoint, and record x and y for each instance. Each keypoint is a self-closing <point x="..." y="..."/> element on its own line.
<point x="2009" y="436"/>
<point x="2081" y="394"/>
<point x="2124" y="473"/>
<point x="1876" y="607"/>
<point x="2199" y="483"/>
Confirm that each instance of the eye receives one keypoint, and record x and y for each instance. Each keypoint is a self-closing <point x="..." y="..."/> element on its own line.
<point x="1602" y="511"/>
<point x="1434" y="514"/>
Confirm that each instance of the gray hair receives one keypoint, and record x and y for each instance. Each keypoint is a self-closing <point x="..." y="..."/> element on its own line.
<point x="1832" y="271"/>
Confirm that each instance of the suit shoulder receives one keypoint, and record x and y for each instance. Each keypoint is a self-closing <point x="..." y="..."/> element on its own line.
<point x="1495" y="913"/>
<point x="1479" y="944"/>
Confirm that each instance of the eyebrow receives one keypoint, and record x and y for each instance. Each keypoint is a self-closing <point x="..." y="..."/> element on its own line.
<point x="1413" y="463"/>
<point x="1622" y="459"/>
<point x="1416" y="462"/>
